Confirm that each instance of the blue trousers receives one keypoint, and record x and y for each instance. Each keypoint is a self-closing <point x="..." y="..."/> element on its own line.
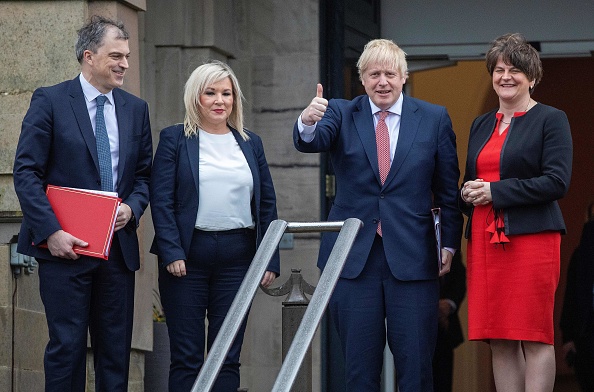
<point x="216" y="265"/>
<point x="376" y="305"/>
<point x="87" y="295"/>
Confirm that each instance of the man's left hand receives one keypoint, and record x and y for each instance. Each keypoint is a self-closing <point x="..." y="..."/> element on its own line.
<point x="124" y="216"/>
<point x="446" y="261"/>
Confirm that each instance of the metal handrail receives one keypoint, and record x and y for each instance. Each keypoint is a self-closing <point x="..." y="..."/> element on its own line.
<point x="241" y="304"/>
<point x="317" y="305"/>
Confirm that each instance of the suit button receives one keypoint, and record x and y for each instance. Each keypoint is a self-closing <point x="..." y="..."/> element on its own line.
<point x="381" y="195"/>
<point x="375" y="221"/>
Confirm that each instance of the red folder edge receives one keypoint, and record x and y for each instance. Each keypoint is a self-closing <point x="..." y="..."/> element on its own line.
<point x="94" y="225"/>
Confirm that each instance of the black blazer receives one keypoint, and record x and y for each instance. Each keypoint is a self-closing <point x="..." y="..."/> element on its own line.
<point x="535" y="169"/>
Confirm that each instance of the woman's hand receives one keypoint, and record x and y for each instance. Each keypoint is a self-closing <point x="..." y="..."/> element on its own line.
<point x="268" y="278"/>
<point x="177" y="268"/>
<point x="477" y="192"/>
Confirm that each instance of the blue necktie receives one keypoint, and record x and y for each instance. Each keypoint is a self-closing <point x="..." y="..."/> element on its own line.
<point x="103" y="150"/>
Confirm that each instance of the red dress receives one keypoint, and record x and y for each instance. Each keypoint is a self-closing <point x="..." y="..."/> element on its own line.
<point x="511" y="287"/>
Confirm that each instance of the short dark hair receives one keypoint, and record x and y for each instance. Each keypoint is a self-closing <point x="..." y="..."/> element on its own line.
<point x="90" y="36"/>
<point x="515" y="50"/>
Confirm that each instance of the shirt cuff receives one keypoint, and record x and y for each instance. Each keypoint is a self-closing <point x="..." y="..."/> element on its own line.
<point x="451" y="250"/>
<point x="306" y="132"/>
<point x="452" y="304"/>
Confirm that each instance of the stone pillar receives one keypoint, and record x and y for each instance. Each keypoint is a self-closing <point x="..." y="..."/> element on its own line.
<point x="33" y="52"/>
<point x="282" y="58"/>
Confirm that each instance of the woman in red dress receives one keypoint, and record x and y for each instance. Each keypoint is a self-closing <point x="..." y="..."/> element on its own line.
<point x="518" y="166"/>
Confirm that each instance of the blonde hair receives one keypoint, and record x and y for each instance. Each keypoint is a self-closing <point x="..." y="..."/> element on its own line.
<point x="201" y="78"/>
<point x="383" y="52"/>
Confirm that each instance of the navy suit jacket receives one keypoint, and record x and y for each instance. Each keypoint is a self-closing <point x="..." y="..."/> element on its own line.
<point x="424" y="174"/>
<point x="174" y="192"/>
<point x="57" y="146"/>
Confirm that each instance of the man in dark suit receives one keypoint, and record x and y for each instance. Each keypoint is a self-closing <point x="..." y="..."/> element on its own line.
<point x="395" y="159"/>
<point x="577" y="317"/>
<point x="58" y="146"/>
<point x="449" y="334"/>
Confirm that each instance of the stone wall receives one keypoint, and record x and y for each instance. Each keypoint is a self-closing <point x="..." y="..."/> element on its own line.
<point x="283" y="63"/>
<point x="22" y="327"/>
<point x="33" y="52"/>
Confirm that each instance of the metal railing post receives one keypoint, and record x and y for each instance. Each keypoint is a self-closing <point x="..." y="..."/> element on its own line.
<point x="317" y="305"/>
<point x="294" y="307"/>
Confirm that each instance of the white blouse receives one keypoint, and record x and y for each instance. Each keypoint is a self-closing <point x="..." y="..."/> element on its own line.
<point x="225" y="184"/>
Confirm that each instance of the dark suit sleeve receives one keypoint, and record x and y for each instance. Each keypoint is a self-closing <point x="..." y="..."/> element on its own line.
<point x="469" y="174"/>
<point x="466" y="208"/>
<point x="162" y="196"/>
<point x="445" y="183"/>
<point x="139" y="198"/>
<point x="30" y="166"/>
<point x="268" y="211"/>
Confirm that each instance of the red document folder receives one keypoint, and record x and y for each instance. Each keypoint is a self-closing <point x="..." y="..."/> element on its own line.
<point x="86" y="215"/>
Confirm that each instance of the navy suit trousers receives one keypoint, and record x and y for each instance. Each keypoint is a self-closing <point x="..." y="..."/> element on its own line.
<point x="375" y="305"/>
<point x="216" y="265"/>
<point x="87" y="295"/>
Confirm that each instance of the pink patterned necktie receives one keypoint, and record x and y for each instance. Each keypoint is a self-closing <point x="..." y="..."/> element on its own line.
<point x="382" y="140"/>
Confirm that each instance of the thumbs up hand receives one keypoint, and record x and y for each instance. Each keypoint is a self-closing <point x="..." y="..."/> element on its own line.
<point x="316" y="109"/>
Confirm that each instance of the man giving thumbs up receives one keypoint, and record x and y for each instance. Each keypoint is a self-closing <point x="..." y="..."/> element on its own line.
<point x="395" y="159"/>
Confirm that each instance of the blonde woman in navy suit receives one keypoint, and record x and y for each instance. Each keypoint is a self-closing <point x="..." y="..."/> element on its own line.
<point x="212" y="201"/>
